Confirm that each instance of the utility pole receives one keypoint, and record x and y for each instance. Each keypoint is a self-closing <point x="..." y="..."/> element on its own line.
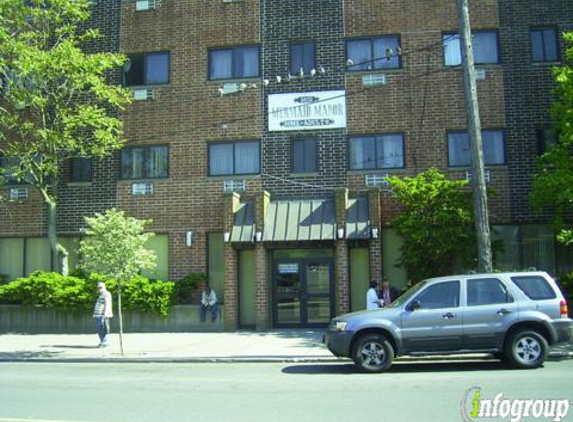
<point x="474" y="131"/>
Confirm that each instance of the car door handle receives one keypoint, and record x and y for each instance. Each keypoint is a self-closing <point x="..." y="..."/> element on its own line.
<point x="503" y="312"/>
<point x="448" y="315"/>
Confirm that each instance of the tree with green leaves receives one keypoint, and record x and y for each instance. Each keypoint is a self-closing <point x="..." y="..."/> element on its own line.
<point x="114" y="246"/>
<point x="437" y="225"/>
<point x="553" y="184"/>
<point x="56" y="102"/>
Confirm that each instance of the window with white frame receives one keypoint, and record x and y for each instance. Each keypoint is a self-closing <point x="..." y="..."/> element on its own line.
<point x="235" y="62"/>
<point x="459" y="148"/>
<point x="147" y="69"/>
<point x="373" y="53"/>
<point x="145" y="162"/>
<point x="377" y="152"/>
<point x="485" y="46"/>
<point x="229" y="158"/>
<point x="544" y="47"/>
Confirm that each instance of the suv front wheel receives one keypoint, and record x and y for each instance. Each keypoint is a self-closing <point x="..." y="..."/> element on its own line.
<point x="526" y="349"/>
<point x="373" y="353"/>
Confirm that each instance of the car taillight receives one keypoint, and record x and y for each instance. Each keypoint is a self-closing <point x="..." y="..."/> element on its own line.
<point x="563" y="309"/>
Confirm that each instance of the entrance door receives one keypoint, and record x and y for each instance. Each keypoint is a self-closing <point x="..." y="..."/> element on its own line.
<point x="303" y="292"/>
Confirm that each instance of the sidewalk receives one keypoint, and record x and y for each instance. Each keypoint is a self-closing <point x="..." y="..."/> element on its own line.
<point x="240" y="346"/>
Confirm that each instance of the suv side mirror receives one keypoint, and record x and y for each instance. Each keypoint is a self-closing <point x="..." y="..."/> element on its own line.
<point x="413" y="305"/>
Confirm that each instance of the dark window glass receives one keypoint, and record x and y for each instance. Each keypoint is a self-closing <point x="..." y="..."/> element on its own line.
<point x="147" y="69"/>
<point x="304" y="156"/>
<point x="441" y="295"/>
<point x="373" y="53"/>
<point x="546" y="138"/>
<point x="301" y="57"/>
<point x="486" y="291"/>
<point x="544" y="45"/>
<point x="459" y="148"/>
<point x="238" y="62"/>
<point x="485" y="45"/>
<point x="234" y="158"/>
<point x="535" y="287"/>
<point x="149" y="162"/>
<point x="8" y="165"/>
<point x="80" y="169"/>
<point x="377" y="152"/>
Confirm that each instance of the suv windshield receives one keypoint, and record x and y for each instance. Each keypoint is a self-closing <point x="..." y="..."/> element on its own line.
<point x="407" y="295"/>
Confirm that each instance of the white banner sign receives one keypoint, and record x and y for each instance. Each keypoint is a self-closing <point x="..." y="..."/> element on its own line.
<point x="307" y="111"/>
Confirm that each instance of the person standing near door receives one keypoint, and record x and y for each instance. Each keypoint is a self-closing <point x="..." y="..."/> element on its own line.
<point x="372" y="300"/>
<point x="387" y="293"/>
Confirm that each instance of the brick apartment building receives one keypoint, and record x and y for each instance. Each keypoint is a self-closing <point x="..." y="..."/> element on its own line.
<point x="261" y="131"/>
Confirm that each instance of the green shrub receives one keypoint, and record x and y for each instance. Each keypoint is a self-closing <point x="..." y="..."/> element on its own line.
<point x="3" y="279"/>
<point x="148" y="295"/>
<point x="185" y="287"/>
<point x="566" y="284"/>
<point x="53" y="290"/>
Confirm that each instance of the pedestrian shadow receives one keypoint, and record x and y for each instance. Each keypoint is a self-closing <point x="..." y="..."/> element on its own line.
<point x="397" y="368"/>
<point x="68" y="346"/>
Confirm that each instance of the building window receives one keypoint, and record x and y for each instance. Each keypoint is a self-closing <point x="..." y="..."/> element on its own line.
<point x="227" y="158"/>
<point x="546" y="138"/>
<point x="8" y="166"/>
<point x="80" y="169"/>
<point x="301" y="57"/>
<point x="377" y="152"/>
<point x="304" y="156"/>
<point x="373" y="53"/>
<point x="147" y="69"/>
<point x="544" y="47"/>
<point x="485" y="45"/>
<point x="238" y="62"/>
<point x="145" y="162"/>
<point x="459" y="148"/>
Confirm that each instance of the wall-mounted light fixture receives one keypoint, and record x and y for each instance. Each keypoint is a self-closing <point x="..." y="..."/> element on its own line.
<point x="258" y="236"/>
<point x="374" y="232"/>
<point x="340" y="233"/>
<point x="226" y="237"/>
<point x="189" y="238"/>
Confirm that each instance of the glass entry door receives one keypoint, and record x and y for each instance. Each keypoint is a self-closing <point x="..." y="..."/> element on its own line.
<point x="303" y="292"/>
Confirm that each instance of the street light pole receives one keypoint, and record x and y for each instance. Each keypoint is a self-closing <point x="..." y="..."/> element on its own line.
<point x="474" y="131"/>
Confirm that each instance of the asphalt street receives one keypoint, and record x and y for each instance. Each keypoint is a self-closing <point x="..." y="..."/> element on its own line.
<point x="252" y="392"/>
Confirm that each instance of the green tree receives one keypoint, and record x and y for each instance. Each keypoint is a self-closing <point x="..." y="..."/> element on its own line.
<point x="114" y="247"/>
<point x="553" y="183"/>
<point x="56" y="101"/>
<point x="437" y="225"/>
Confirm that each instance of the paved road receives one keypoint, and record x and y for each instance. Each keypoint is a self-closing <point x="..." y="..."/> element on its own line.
<point x="252" y="392"/>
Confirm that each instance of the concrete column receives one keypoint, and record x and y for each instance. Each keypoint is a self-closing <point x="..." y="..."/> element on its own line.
<point x="374" y="209"/>
<point x="263" y="319"/>
<point x="341" y="270"/>
<point x="230" y="206"/>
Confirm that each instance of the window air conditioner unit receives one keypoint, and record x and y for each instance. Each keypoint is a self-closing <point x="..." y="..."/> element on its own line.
<point x="143" y="94"/>
<point x="234" y="185"/>
<point x="230" y="88"/>
<point x="373" y="80"/>
<point x="372" y="180"/>
<point x="142" y="189"/>
<point x="480" y="74"/>
<point x="18" y="194"/>
<point x="487" y="174"/>
<point x="141" y="5"/>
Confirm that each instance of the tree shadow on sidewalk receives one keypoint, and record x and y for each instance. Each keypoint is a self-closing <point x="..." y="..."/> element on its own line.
<point x="67" y="346"/>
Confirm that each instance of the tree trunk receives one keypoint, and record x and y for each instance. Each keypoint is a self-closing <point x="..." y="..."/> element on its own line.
<point x="60" y="254"/>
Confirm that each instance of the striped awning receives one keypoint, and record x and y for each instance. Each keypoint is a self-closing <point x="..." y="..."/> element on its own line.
<point x="300" y="220"/>
<point x="244" y="223"/>
<point x="358" y="219"/>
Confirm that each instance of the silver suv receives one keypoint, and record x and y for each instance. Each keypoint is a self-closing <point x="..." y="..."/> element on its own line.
<point x="515" y="316"/>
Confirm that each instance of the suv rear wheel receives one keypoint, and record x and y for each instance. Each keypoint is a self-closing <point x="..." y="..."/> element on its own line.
<point x="373" y="353"/>
<point x="526" y="349"/>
